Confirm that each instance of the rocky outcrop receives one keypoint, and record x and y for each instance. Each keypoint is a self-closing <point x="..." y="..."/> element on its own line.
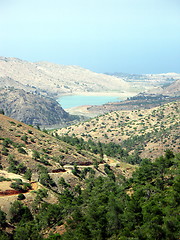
<point x="32" y="108"/>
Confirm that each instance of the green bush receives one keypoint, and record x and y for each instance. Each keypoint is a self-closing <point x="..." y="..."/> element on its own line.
<point x="22" y="150"/>
<point x="21" y="196"/>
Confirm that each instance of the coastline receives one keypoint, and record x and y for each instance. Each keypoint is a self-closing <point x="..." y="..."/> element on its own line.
<point x="122" y="95"/>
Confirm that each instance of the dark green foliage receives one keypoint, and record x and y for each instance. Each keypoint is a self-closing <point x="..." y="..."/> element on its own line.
<point x="63" y="183"/>
<point x="4" y="179"/>
<point x="49" y="215"/>
<point x="4" y="235"/>
<point x="5" y="151"/>
<point x="75" y="170"/>
<point x="32" y="140"/>
<point x="109" y="172"/>
<point x="24" y="138"/>
<point x="16" y="186"/>
<point x="27" y="231"/>
<point x="44" y="161"/>
<point x="151" y="212"/>
<point x="13" y="123"/>
<point x="110" y="149"/>
<point x="44" y="177"/>
<point x="22" y="150"/>
<point x="21" y="196"/>
<point x="2" y="219"/>
<point x="56" y="236"/>
<point x="7" y="142"/>
<point x="15" y="166"/>
<point x="19" y="212"/>
<point x="28" y="174"/>
<point x="36" y="155"/>
<point x="145" y="207"/>
<point x="19" y="185"/>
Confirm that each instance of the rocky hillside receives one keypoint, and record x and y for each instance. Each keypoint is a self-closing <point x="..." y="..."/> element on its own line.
<point x="57" y="79"/>
<point x="149" y="131"/>
<point x="32" y="108"/>
<point x="24" y="148"/>
<point x="10" y="83"/>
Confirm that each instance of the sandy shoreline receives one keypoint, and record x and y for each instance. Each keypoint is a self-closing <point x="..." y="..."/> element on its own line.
<point x="122" y="95"/>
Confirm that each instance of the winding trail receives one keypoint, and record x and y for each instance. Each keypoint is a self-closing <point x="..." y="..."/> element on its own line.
<point x="11" y="192"/>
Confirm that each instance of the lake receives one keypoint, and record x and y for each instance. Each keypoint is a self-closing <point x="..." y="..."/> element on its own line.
<point x="79" y="100"/>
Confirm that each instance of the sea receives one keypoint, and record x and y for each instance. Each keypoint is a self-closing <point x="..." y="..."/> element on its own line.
<point x="70" y="101"/>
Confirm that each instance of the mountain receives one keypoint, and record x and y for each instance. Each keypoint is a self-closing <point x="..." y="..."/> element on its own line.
<point x="55" y="79"/>
<point x="149" y="132"/>
<point x="32" y="108"/>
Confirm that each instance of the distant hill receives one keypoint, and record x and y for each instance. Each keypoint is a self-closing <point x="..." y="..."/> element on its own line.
<point x="161" y="79"/>
<point x="149" y="132"/>
<point x="32" y="108"/>
<point x="55" y="79"/>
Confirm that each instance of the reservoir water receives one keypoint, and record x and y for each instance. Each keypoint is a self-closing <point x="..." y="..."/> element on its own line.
<point x="79" y="100"/>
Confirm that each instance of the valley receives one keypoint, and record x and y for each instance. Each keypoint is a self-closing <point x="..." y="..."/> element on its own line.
<point x="52" y="189"/>
<point x="41" y="84"/>
<point x="107" y="171"/>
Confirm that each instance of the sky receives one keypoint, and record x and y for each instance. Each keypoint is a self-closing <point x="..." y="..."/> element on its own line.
<point x="129" y="36"/>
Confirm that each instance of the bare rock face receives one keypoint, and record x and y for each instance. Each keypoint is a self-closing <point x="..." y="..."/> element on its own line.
<point x="56" y="79"/>
<point x="32" y="108"/>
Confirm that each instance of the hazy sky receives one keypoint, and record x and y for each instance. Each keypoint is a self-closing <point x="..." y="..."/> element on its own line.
<point x="132" y="36"/>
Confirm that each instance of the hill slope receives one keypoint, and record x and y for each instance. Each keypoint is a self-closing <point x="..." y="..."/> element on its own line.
<point x="24" y="148"/>
<point x="59" y="204"/>
<point x="32" y="108"/>
<point x="148" y="131"/>
<point x="58" y="79"/>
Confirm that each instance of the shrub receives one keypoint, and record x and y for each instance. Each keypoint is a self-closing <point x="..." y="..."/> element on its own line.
<point x="24" y="138"/>
<point x="21" y="196"/>
<point x="22" y="150"/>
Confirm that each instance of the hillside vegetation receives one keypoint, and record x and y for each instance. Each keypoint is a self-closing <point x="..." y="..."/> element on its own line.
<point x="25" y="145"/>
<point x="144" y="207"/>
<point x="43" y="159"/>
<point x="148" y="132"/>
<point x="52" y="190"/>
